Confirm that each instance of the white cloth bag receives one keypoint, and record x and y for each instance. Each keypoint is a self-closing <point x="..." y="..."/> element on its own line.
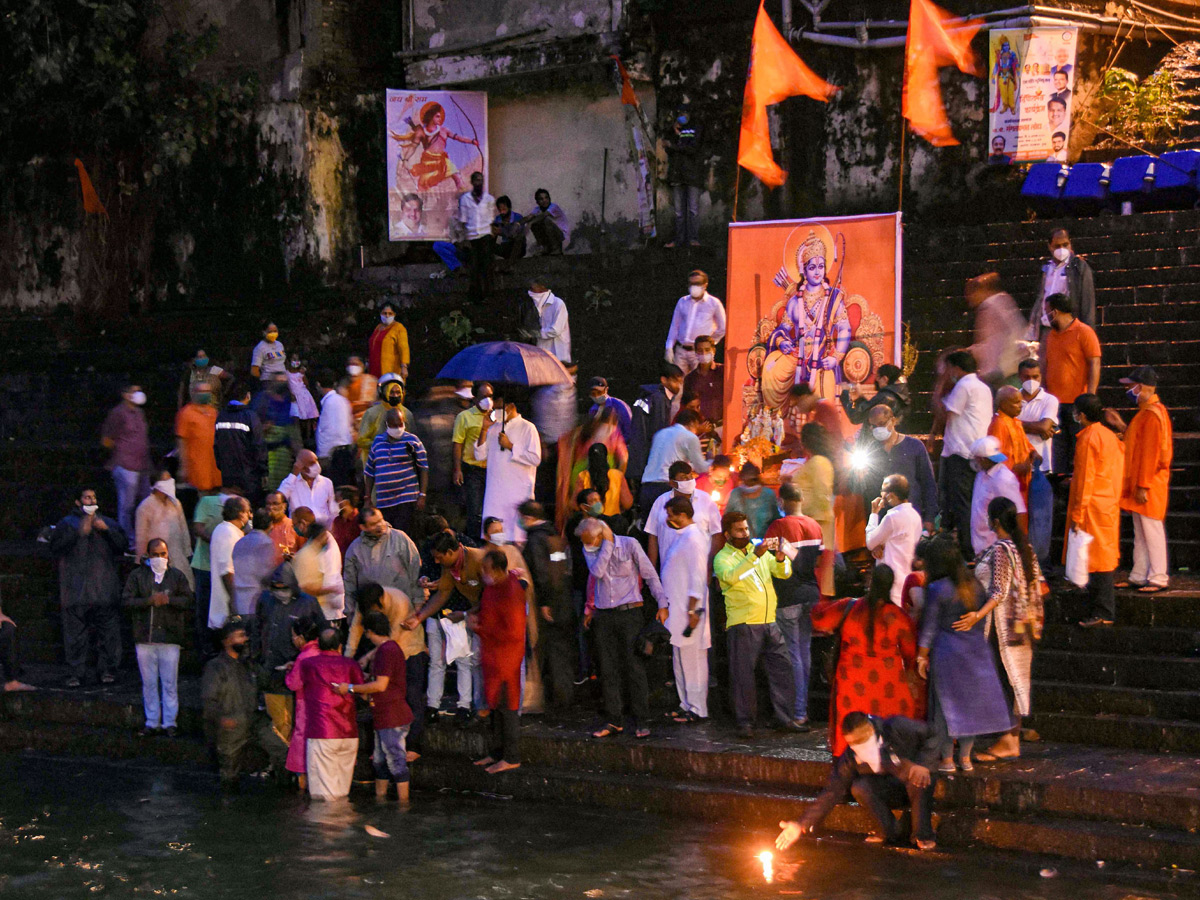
<point x="1077" y="557"/>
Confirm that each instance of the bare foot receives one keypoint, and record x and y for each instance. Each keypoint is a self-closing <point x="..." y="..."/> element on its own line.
<point x="14" y="685"/>
<point x="412" y="756"/>
<point x="927" y="845"/>
<point x="502" y="766"/>
<point x="486" y="761"/>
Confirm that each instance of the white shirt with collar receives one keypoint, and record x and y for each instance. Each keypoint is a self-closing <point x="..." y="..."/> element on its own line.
<point x="968" y="414"/>
<point x="555" y="336"/>
<point x="998" y="481"/>
<point x="1044" y="405"/>
<point x="693" y="318"/>
<point x="318" y="497"/>
<point x="477" y="215"/>
<point x="335" y="427"/>
<point x="897" y="534"/>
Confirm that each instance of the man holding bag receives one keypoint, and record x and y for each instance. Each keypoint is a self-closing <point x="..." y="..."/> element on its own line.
<point x="1094" y="505"/>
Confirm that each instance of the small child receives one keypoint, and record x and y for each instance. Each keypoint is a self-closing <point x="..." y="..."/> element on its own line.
<point x="304" y="407"/>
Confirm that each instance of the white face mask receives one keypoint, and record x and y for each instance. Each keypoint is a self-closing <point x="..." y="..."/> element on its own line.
<point x="707" y="357"/>
<point x="1062" y="254"/>
<point x="499" y="538"/>
<point x="138" y="398"/>
<point x="158" y="565"/>
<point x="485" y="403"/>
<point x="686" y="487"/>
<point x="354" y="371"/>
<point x="396" y="432"/>
<point x="696" y="290"/>
<point x="387" y="318"/>
<point x="1031" y="387"/>
<point x="166" y="486"/>
<point x="869" y="754"/>
<point x="881" y="433"/>
<point x="588" y="548"/>
<point x="313" y="471"/>
<point x="90" y="509"/>
<point x="539" y="299"/>
<point x="464" y="393"/>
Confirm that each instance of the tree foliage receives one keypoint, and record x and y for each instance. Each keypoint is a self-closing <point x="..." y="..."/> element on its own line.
<point x="1141" y="111"/>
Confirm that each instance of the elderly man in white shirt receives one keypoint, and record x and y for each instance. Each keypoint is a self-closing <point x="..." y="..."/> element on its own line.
<point x="476" y="210"/>
<point x="696" y="313"/>
<point x="306" y="486"/>
<point x="893" y="540"/>
<point x="993" y="479"/>
<point x="968" y="409"/>
<point x="234" y="514"/>
<point x="554" y="335"/>
<point x="1039" y="417"/>
<point x="684" y="575"/>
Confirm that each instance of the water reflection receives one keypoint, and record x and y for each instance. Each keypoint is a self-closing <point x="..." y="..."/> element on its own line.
<point x="73" y="828"/>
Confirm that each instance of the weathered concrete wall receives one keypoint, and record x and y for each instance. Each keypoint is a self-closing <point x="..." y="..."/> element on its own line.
<point x="458" y="23"/>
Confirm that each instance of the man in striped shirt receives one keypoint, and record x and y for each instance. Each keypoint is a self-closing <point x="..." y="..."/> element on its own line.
<point x="397" y="473"/>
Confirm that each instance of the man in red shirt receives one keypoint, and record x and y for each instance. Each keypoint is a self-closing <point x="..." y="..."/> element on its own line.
<point x="389" y="707"/>
<point x="1072" y="368"/>
<point x="500" y="624"/>
<point x="707" y="381"/>
<point x="331" y="725"/>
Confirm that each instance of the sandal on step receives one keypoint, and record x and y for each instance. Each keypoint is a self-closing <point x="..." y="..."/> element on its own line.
<point x="1129" y="584"/>
<point x="1152" y="589"/>
<point x="608" y="730"/>
<point x="642" y="733"/>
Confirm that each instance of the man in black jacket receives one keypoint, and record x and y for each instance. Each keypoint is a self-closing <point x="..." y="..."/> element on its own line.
<point x="279" y="606"/>
<point x="1064" y="273"/>
<point x="685" y="175"/>
<point x="89" y="547"/>
<point x="549" y="560"/>
<point x="889" y="389"/>
<point x="240" y="448"/>
<point x="652" y="412"/>
<point x="886" y="766"/>
<point x="161" y="601"/>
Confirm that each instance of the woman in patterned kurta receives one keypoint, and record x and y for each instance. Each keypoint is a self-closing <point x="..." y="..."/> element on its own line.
<point x="876" y="659"/>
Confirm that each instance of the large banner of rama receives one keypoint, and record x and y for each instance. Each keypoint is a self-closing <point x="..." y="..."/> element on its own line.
<point x="809" y="301"/>
<point x="1032" y="81"/>
<point x="435" y="141"/>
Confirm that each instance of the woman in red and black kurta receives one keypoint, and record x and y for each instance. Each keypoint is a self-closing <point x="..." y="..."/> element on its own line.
<point x="878" y="647"/>
<point x="500" y="624"/>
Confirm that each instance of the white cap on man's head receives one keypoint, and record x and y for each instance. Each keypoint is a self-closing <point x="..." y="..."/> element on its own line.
<point x="988" y="448"/>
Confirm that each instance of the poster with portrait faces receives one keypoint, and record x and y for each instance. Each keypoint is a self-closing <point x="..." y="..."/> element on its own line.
<point x="1032" y="90"/>
<point x="435" y="141"/>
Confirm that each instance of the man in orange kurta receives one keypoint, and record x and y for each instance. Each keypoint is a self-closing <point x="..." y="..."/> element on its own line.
<point x="1014" y="443"/>
<point x="1149" y="449"/>
<point x="1094" y="504"/>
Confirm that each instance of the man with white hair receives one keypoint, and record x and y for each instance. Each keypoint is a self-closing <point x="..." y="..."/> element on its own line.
<point x="992" y="479"/>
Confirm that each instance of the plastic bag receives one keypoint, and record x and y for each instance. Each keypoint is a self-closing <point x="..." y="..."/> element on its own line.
<point x="1077" y="557"/>
<point x="458" y="642"/>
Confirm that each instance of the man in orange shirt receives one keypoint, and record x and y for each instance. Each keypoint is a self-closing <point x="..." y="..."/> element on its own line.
<point x="1014" y="444"/>
<point x="1094" y="504"/>
<point x="1149" y="450"/>
<point x="1072" y="368"/>
<point x="195" y="431"/>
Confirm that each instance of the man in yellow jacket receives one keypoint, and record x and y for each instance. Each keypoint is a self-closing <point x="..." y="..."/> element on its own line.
<point x="744" y="571"/>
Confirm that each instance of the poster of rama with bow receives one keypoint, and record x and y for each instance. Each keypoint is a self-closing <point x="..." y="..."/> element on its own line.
<point x="435" y="141"/>
<point x="812" y="302"/>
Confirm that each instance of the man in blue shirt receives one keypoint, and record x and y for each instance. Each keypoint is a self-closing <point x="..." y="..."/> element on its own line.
<point x="601" y="399"/>
<point x="884" y="451"/>
<point x="509" y="229"/>
<point x="397" y="473"/>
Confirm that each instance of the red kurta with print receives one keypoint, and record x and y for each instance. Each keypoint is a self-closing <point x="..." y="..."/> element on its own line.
<point x="501" y="631"/>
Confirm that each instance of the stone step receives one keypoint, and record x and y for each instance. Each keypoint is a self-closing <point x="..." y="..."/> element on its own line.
<point x="1172" y="673"/>
<point x="1129" y="732"/>
<point x="1122" y="640"/>
<point x="1071" y="697"/>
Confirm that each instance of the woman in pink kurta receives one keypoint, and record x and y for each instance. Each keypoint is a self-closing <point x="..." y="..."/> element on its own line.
<point x="297" y="746"/>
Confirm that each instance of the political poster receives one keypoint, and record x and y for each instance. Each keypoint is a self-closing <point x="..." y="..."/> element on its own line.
<point x="435" y="141"/>
<point x="808" y="301"/>
<point x="1032" y="88"/>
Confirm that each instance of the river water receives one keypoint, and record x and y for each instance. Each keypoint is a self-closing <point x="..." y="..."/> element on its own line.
<point x="88" y="828"/>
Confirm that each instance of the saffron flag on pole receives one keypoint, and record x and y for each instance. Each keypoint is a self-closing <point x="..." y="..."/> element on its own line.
<point x="935" y="39"/>
<point x="91" y="200"/>
<point x="776" y="73"/>
<point x="628" y="97"/>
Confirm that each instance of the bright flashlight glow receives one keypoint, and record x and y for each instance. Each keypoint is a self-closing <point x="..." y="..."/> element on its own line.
<point x="716" y="495"/>
<point x="766" y="858"/>
<point x="859" y="459"/>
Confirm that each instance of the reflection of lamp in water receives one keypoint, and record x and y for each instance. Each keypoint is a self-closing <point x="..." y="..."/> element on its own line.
<point x="767" y="858"/>
<point x="859" y="459"/>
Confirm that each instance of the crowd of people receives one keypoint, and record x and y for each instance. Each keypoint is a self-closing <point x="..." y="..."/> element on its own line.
<point x="320" y="561"/>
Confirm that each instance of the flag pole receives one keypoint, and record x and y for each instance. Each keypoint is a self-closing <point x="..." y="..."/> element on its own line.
<point x="903" y="134"/>
<point x="737" y="182"/>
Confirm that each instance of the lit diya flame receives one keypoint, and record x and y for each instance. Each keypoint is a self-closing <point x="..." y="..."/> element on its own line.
<point x="767" y="859"/>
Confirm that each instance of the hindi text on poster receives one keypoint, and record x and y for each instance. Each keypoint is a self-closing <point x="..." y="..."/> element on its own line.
<point x="1032" y="88"/>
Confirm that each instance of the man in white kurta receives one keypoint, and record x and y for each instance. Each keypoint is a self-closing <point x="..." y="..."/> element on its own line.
<point x="893" y="539"/>
<point x="513" y="455"/>
<point x="705" y="512"/>
<point x="685" y="582"/>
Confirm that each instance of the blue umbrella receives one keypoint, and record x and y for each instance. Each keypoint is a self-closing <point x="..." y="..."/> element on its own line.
<point x="506" y="362"/>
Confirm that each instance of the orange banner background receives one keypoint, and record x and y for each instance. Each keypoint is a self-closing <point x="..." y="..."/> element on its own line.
<point x="774" y="277"/>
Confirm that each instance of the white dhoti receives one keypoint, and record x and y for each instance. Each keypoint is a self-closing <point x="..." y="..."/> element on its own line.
<point x="691" y="678"/>
<point x="510" y="473"/>
<point x="684" y="577"/>
<point x="330" y="763"/>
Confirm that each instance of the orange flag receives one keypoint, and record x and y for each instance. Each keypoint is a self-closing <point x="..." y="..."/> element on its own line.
<point x="91" y="200"/>
<point x="628" y="97"/>
<point x="935" y="39"/>
<point x="776" y="72"/>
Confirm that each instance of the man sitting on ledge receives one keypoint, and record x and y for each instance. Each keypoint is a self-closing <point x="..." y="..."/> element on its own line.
<point x="886" y="766"/>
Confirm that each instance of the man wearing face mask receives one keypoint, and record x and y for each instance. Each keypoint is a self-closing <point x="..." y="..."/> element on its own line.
<point x="705" y="513"/>
<point x="361" y="389"/>
<point x="1072" y="366"/>
<point x="88" y="547"/>
<point x="1064" y="273"/>
<point x="696" y="313"/>
<point x="554" y="335"/>
<point x="992" y="479"/>
<point x="684" y="578"/>
<point x="280" y="605"/>
<point x="893" y="531"/>
<point x="391" y="397"/>
<point x="397" y="473"/>
<point x="195" y="433"/>
<point x="1014" y="444"/>
<point x="602" y="399"/>
<point x="513" y="451"/>
<point x="653" y="411"/>
<point x="229" y="695"/>
<point x="890" y="452"/>
<point x="1094" y="505"/>
<point x="161" y="601"/>
<point x="381" y="555"/>
<point x="1149" y="450"/>
<point x="160" y="515"/>
<point x="707" y="380"/>
<point x="239" y="445"/>
<point x="680" y="441"/>
<point x="202" y="374"/>
<point x="255" y="558"/>
<point x="1039" y="418"/>
<point x="470" y="472"/>
<point x="234" y="516"/>
<point x="887" y="765"/>
<point x="125" y="434"/>
<point x="306" y="486"/>
<point x="389" y="345"/>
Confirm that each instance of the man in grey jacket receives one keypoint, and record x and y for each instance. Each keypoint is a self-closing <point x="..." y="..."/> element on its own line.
<point x="381" y="555"/>
<point x="1068" y="273"/>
